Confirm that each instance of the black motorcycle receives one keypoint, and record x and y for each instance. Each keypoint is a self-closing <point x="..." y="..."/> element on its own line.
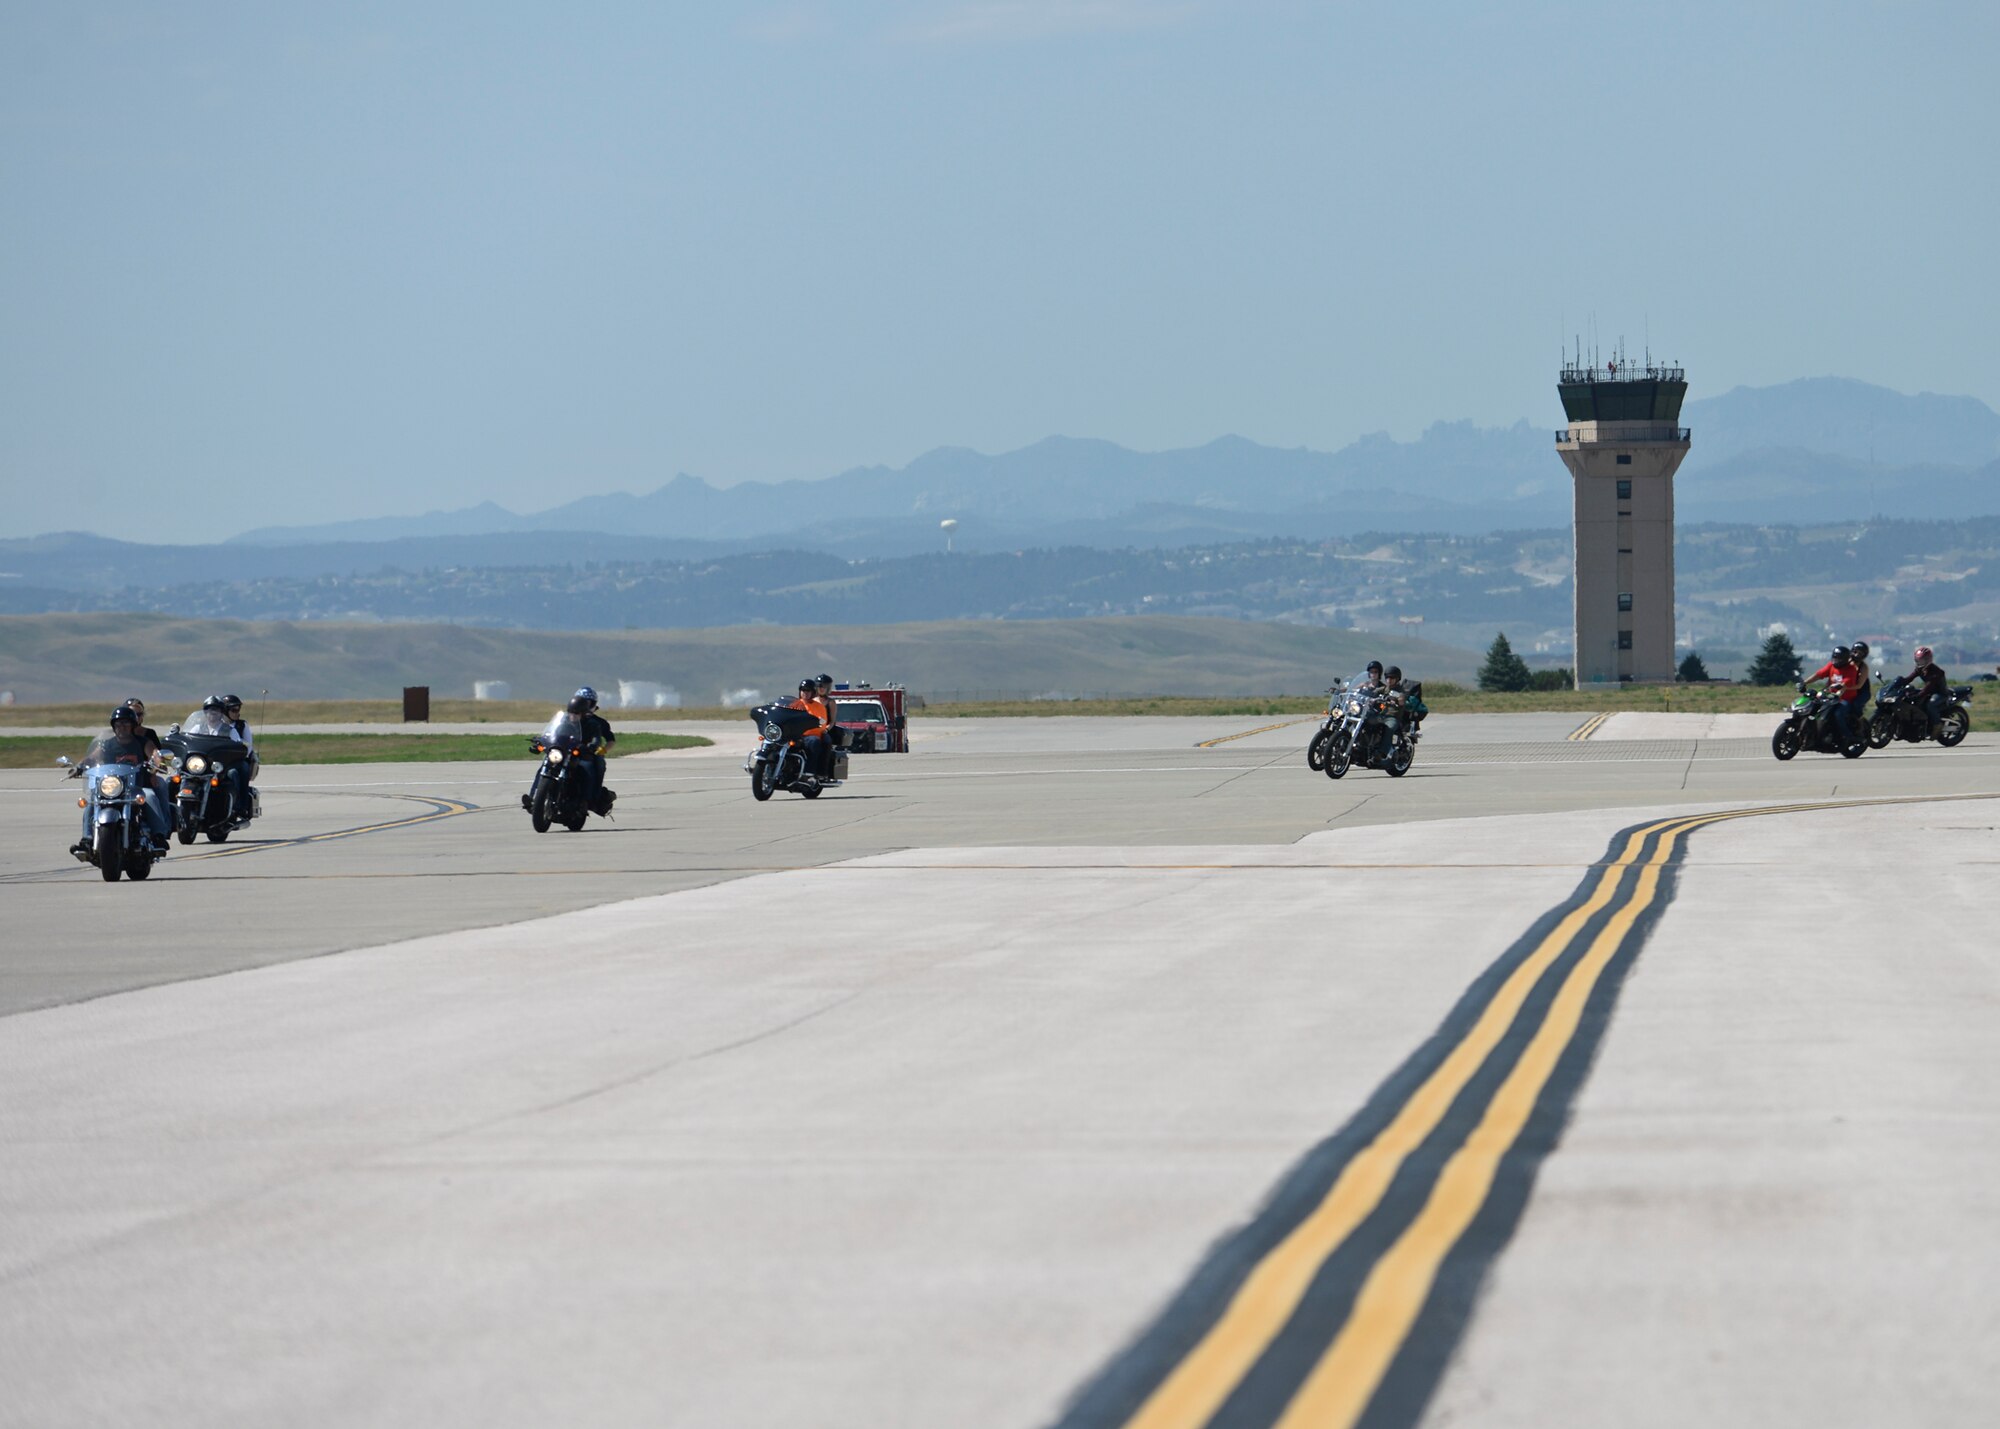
<point x="1902" y="713"/>
<point x="1373" y="733"/>
<point x="201" y="785"/>
<point x="1809" y="726"/>
<point x="779" y="760"/>
<point x="560" y="792"/>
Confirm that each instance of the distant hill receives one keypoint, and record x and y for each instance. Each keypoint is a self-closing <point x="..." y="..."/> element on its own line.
<point x="1822" y="448"/>
<point x="50" y="658"/>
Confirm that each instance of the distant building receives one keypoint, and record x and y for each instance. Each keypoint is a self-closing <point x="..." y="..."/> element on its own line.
<point x="492" y="690"/>
<point x="1622" y="446"/>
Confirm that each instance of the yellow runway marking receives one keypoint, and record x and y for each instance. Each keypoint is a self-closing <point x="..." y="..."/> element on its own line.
<point x="1589" y="726"/>
<point x="1261" y="729"/>
<point x="1396" y="1285"/>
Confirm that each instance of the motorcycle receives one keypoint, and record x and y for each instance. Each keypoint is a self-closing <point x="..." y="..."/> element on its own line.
<point x="557" y="795"/>
<point x="1809" y="726"/>
<point x="201" y="784"/>
<point x="1373" y="732"/>
<point x="1902" y="713"/>
<point x="115" y="836"/>
<point x="779" y="760"/>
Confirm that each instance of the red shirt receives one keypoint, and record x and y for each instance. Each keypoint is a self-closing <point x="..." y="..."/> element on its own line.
<point x="1847" y="680"/>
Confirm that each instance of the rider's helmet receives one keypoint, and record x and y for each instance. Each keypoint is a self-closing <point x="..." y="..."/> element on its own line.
<point x="124" y="714"/>
<point x="825" y="681"/>
<point x="1924" y="655"/>
<point x="1374" y="667"/>
<point x="1861" y="652"/>
<point x="213" y="702"/>
<point x="1393" y="674"/>
<point x="232" y="705"/>
<point x="583" y="701"/>
<point x="809" y="687"/>
<point x="1842" y="655"/>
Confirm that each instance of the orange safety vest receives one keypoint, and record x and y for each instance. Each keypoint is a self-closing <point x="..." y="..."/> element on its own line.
<point x="814" y="707"/>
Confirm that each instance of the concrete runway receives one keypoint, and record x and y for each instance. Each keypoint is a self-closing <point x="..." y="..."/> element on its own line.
<point x="1063" y="1071"/>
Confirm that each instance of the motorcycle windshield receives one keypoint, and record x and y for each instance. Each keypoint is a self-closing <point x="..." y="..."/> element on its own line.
<point x="217" y="748"/>
<point x="564" y="732"/>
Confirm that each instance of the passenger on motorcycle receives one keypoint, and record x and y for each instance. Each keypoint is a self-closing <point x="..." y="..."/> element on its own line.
<point x="591" y="728"/>
<point x="125" y="744"/>
<point x="1860" y="648"/>
<point x="152" y="738"/>
<point x="1846" y="680"/>
<point x="818" y="742"/>
<point x="1937" y="694"/>
<point x="1407" y="695"/>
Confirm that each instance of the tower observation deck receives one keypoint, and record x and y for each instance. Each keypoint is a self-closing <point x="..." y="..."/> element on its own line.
<point x="1622" y="446"/>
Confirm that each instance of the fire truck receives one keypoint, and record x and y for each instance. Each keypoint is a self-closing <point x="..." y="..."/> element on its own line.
<point x="875" y="717"/>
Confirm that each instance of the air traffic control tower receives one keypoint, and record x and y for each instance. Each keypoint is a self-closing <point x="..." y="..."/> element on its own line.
<point x="1622" y="446"/>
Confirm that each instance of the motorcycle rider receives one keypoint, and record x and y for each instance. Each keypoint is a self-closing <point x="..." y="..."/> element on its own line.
<point x="1371" y="679"/>
<point x="126" y="745"/>
<point x="817" y="742"/>
<point x="1929" y="675"/>
<point x="212" y="721"/>
<point x="1845" y="679"/>
<point x="592" y="728"/>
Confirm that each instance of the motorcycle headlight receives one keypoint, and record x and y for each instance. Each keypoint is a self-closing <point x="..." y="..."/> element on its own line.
<point x="197" y="765"/>
<point x="1354" y="708"/>
<point x="771" y="731"/>
<point x="555" y="756"/>
<point x="110" y="786"/>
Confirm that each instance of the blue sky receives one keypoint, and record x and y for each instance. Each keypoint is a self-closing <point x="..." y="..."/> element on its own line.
<point x="338" y="261"/>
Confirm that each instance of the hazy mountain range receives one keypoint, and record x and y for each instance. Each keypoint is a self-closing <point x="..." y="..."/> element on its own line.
<point x="1817" y="449"/>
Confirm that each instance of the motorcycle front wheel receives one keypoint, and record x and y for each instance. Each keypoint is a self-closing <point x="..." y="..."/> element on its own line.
<point x="110" y="857"/>
<point x="763" y="781"/>
<point x="1316" y="751"/>
<point x="1399" y="761"/>
<point x="538" y="815"/>
<point x="1881" y="730"/>
<point x="1957" y="724"/>
<point x="1785" y="743"/>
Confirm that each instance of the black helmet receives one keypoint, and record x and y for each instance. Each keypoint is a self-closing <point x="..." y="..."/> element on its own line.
<point x="1393" y="673"/>
<point x="1374" y="667"/>
<point x="585" y="692"/>
<point x="578" y="705"/>
<point x="231" y="704"/>
<point x="824" y="679"/>
<point x="1861" y="650"/>
<point x="124" y="714"/>
<point x="1842" y="655"/>
<point x="809" y="687"/>
<point x="213" y="702"/>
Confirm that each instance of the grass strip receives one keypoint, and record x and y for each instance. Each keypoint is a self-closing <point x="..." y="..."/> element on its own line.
<point x="39" y="752"/>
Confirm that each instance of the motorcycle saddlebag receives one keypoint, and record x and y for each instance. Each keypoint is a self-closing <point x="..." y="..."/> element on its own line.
<point x="840" y="764"/>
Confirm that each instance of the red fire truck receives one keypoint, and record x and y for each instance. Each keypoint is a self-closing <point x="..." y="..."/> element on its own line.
<point x="875" y="717"/>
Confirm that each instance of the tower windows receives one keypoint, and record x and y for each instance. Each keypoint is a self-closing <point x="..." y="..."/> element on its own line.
<point x="1624" y="640"/>
<point x="1624" y="600"/>
<point x="1625" y="489"/>
<point x="1624" y="458"/>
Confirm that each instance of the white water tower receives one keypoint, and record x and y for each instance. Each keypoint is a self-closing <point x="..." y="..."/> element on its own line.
<point x="948" y="525"/>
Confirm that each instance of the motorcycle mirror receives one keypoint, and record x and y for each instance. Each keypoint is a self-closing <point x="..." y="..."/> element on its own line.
<point x="63" y="759"/>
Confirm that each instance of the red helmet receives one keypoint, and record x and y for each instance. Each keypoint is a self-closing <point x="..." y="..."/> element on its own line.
<point x="1923" y="654"/>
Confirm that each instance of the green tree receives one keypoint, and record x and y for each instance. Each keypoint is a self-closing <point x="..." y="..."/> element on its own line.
<point x="1691" y="671"/>
<point x="1504" y="670"/>
<point x="1777" y="663"/>
<point x="1560" y="678"/>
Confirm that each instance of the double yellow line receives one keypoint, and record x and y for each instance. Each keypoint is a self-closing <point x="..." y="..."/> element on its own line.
<point x="1589" y="726"/>
<point x="1360" y="1297"/>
